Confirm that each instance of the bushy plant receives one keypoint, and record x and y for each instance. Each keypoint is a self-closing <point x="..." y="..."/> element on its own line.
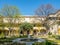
<point x="49" y="33"/>
<point x="24" y="36"/>
<point x="39" y="43"/>
<point x="26" y="27"/>
<point x="48" y="42"/>
<point x="57" y="37"/>
<point x="2" y="35"/>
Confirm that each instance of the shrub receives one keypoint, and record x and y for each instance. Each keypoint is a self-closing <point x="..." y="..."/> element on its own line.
<point x="18" y="43"/>
<point x="49" y="33"/>
<point x="2" y="35"/>
<point x="48" y="42"/>
<point x="24" y="36"/>
<point x="39" y="43"/>
<point x="58" y="37"/>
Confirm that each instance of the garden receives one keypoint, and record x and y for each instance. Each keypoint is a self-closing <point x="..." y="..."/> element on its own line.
<point x="50" y="40"/>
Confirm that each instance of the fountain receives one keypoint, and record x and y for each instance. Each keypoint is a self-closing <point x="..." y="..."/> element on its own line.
<point x="29" y="36"/>
<point x="28" y="41"/>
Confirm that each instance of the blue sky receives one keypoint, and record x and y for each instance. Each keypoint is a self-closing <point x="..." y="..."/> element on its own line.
<point x="28" y="7"/>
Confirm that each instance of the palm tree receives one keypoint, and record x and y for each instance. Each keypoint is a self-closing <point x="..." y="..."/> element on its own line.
<point x="26" y="27"/>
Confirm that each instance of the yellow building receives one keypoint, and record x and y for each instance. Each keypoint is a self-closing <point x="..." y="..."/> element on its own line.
<point x="50" y="20"/>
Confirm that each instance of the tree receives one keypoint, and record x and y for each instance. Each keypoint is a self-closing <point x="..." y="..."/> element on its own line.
<point x="44" y="10"/>
<point x="26" y="27"/>
<point x="2" y="25"/>
<point x="9" y="12"/>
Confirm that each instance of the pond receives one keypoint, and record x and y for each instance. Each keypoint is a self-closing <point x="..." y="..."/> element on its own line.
<point x="28" y="41"/>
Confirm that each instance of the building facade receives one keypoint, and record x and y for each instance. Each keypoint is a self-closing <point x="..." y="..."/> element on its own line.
<point x="52" y="21"/>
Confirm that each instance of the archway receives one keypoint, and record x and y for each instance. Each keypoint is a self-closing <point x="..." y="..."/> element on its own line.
<point x="35" y="32"/>
<point x="43" y="31"/>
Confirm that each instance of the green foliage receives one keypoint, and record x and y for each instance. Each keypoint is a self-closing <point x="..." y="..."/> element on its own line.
<point x="26" y="26"/>
<point x="57" y="37"/>
<point x="54" y="36"/>
<point x="2" y="35"/>
<point x="48" y="42"/>
<point x="9" y="11"/>
<point x="18" y="43"/>
<point x="39" y="43"/>
<point x="49" y="33"/>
